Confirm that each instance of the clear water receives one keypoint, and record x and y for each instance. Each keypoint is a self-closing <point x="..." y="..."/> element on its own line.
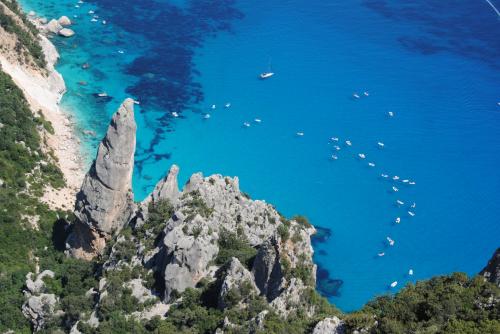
<point x="435" y="64"/>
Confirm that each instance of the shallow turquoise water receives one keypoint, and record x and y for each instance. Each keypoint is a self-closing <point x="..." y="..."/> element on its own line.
<point x="435" y="66"/>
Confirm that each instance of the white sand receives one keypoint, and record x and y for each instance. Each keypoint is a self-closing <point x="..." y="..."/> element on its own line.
<point x="44" y="93"/>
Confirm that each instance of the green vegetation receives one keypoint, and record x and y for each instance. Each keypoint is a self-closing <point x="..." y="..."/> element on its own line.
<point x="196" y="205"/>
<point x="159" y="214"/>
<point x="447" y="304"/>
<point x="27" y="44"/>
<point x="235" y="245"/>
<point x="24" y="171"/>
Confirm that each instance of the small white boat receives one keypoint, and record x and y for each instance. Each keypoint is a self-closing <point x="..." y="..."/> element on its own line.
<point x="91" y="12"/>
<point x="300" y="134"/>
<point x="405" y="181"/>
<point x="400" y="202"/>
<point x="394" y="284"/>
<point x="258" y="120"/>
<point x="77" y="6"/>
<point x="366" y="94"/>
<point x="361" y="156"/>
<point x="227" y="105"/>
<point x="371" y="164"/>
<point x="411" y="213"/>
<point x="381" y="254"/>
<point x="348" y="143"/>
<point x="137" y="102"/>
<point x="266" y="75"/>
<point x="213" y="106"/>
<point x="412" y="183"/>
<point x="414" y="205"/>
<point x="385" y="176"/>
<point x="380" y="144"/>
<point x="207" y="116"/>
<point x="104" y="22"/>
<point x="334" y="157"/>
<point x="93" y="20"/>
<point x="102" y="94"/>
<point x="356" y="95"/>
<point x="390" y="113"/>
<point x="336" y="147"/>
<point x="410" y="272"/>
<point x="395" y="177"/>
<point x="121" y="51"/>
<point x="390" y="241"/>
<point x="398" y="220"/>
<point x="395" y="189"/>
<point x="246" y="124"/>
<point x="175" y="114"/>
<point x="334" y="139"/>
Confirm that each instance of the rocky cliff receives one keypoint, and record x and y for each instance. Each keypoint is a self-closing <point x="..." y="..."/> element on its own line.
<point x="105" y="202"/>
<point x="492" y="270"/>
<point x="208" y="232"/>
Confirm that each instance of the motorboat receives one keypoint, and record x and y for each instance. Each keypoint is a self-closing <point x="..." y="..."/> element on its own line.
<point x="266" y="75"/>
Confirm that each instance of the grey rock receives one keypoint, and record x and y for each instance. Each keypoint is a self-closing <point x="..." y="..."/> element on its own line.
<point x="36" y="286"/>
<point x="492" y="270"/>
<point x="65" y="32"/>
<point x="267" y="269"/>
<point x="53" y="26"/>
<point x="329" y="326"/>
<point x="38" y="309"/>
<point x="139" y="291"/>
<point x="105" y="202"/>
<point x="167" y="188"/>
<point x="64" y="21"/>
<point x="235" y="276"/>
<point x="186" y="258"/>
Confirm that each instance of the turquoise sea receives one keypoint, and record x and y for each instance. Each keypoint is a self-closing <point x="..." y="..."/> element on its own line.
<point x="434" y="64"/>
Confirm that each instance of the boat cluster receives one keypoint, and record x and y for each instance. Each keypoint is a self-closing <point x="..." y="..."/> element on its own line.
<point x="396" y="183"/>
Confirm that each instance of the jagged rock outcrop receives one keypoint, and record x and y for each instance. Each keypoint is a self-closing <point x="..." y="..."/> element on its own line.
<point x="237" y="279"/>
<point x="267" y="269"/>
<point x="329" y="326"/>
<point x="36" y="286"/>
<point x="492" y="270"/>
<point x="39" y="306"/>
<point x="105" y="202"/>
<point x="38" y="309"/>
<point x="166" y="189"/>
<point x="187" y="257"/>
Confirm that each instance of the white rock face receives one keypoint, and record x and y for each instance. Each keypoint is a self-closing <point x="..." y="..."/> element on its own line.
<point x="329" y="326"/>
<point x="64" y="21"/>
<point x="65" y="32"/>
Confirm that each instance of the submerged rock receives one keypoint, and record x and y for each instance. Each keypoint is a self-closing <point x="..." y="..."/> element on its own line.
<point x="105" y="202"/>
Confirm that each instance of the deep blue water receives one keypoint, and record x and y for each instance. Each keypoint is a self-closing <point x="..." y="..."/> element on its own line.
<point x="434" y="64"/>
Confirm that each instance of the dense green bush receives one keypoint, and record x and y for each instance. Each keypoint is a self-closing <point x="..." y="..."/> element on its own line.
<point x="234" y="245"/>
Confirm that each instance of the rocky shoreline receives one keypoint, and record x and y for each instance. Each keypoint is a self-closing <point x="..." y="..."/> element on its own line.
<point x="44" y="89"/>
